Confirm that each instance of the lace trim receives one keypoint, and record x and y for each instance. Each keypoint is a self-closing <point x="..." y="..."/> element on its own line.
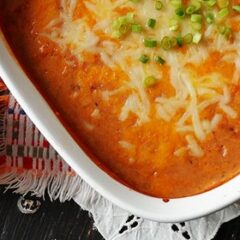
<point x="131" y="223"/>
<point x="180" y="228"/>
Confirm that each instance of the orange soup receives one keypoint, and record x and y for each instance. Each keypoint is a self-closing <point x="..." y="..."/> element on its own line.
<point x="150" y="87"/>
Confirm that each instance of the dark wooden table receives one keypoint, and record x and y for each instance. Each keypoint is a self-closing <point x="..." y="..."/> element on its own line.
<point x="56" y="221"/>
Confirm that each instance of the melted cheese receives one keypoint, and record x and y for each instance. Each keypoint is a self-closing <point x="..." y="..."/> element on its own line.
<point x="193" y="94"/>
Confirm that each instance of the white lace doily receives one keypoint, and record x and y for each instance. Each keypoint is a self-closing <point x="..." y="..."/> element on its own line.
<point x="115" y="223"/>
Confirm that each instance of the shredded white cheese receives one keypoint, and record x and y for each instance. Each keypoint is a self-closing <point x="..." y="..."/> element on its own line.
<point x="126" y="145"/>
<point x="193" y="95"/>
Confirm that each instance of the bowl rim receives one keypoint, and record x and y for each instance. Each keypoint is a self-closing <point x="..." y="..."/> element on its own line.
<point x="176" y="210"/>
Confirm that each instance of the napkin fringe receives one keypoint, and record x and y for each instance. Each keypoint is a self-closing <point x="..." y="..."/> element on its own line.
<point x="3" y="106"/>
<point x="56" y="179"/>
<point x="60" y="186"/>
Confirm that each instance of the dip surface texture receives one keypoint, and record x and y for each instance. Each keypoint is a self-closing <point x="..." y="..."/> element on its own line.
<point x="157" y="103"/>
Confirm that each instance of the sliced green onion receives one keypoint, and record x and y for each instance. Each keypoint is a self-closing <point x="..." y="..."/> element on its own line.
<point x="176" y="3"/>
<point x="222" y="13"/>
<point x="190" y="9"/>
<point x="158" y="5"/>
<point x="197" y="38"/>
<point x="123" y="20"/>
<point x="210" y="18"/>
<point x="196" y="26"/>
<point x="225" y="31"/>
<point x="197" y="4"/>
<point x="173" y="41"/>
<point x="150" y="81"/>
<point x="187" y="39"/>
<point x="144" y="58"/>
<point x="173" y="24"/>
<point x="194" y="7"/>
<point x="196" y="18"/>
<point x="150" y="43"/>
<point x="116" y="34"/>
<point x="121" y="31"/>
<point x="121" y="25"/>
<point x="137" y="28"/>
<point x="236" y="8"/>
<point x="211" y="3"/>
<point x="160" y="60"/>
<point x="151" y="22"/>
<point x="222" y="3"/>
<point x="166" y="43"/>
<point x="180" y="11"/>
<point x="179" y="40"/>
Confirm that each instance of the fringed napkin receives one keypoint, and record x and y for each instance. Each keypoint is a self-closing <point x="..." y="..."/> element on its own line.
<point x="28" y="163"/>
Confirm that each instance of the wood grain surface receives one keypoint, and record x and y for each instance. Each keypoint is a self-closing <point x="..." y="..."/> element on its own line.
<point x="64" y="221"/>
<point x="53" y="221"/>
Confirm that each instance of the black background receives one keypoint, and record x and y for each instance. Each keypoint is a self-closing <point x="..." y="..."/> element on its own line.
<point x="64" y="221"/>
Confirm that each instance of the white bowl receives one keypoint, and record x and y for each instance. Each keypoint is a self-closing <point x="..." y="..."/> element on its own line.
<point x="142" y="205"/>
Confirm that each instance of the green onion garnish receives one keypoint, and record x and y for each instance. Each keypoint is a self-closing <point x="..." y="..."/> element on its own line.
<point x="199" y="13"/>
<point x="197" y="4"/>
<point x="173" y="41"/>
<point x="222" y="3"/>
<point x="158" y="5"/>
<point x="150" y="81"/>
<point x="209" y="18"/>
<point x="121" y="25"/>
<point x="151" y="22"/>
<point x="117" y="34"/>
<point x="168" y="43"/>
<point x="196" y="18"/>
<point x="194" y="7"/>
<point x="150" y="43"/>
<point x="211" y="3"/>
<point x="187" y="39"/>
<point x="225" y="31"/>
<point x="196" y="26"/>
<point x="197" y="38"/>
<point x="180" y="11"/>
<point x="179" y="40"/>
<point x="236" y="8"/>
<point x="222" y="13"/>
<point x="137" y="28"/>
<point x="176" y="3"/>
<point x="144" y="58"/>
<point x="173" y="24"/>
<point x="190" y="9"/>
<point x="160" y="60"/>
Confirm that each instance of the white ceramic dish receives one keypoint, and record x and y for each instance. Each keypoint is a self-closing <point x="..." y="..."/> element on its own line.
<point x="142" y="205"/>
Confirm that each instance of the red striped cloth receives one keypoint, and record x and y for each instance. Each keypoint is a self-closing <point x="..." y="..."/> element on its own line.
<point x="27" y="161"/>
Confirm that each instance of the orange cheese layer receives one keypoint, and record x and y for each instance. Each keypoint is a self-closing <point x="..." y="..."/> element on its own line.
<point x="89" y="95"/>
